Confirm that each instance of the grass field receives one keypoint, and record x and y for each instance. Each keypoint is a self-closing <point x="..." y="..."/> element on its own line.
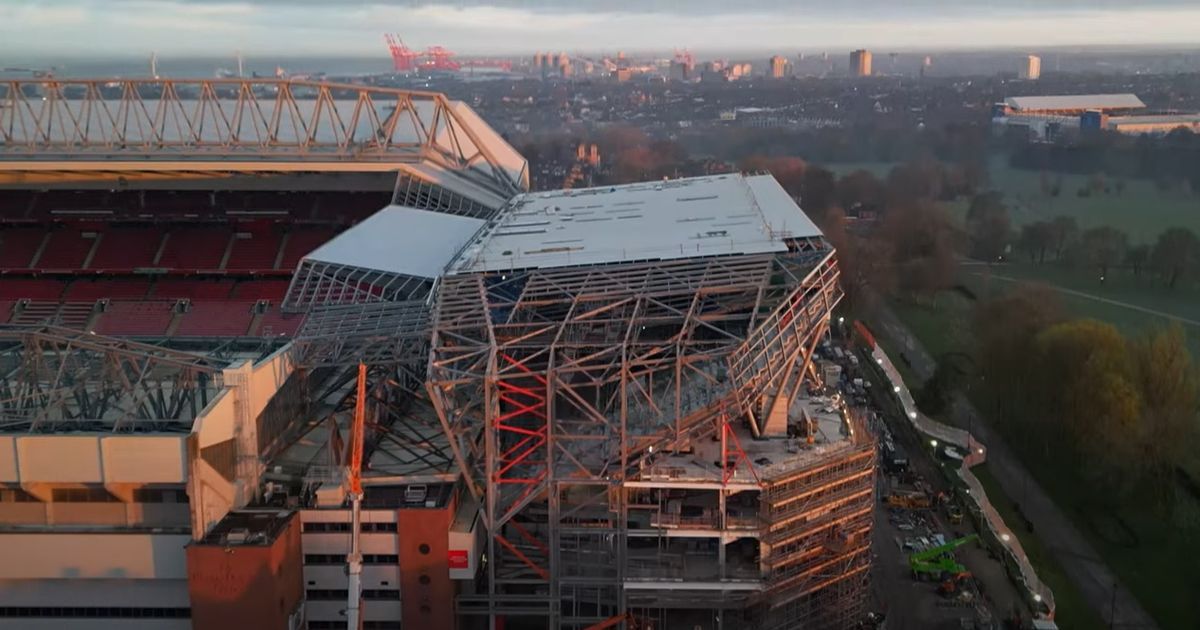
<point x="1181" y="305"/>
<point x="1141" y="210"/>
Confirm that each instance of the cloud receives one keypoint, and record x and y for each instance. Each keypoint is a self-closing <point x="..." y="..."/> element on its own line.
<point x="354" y="27"/>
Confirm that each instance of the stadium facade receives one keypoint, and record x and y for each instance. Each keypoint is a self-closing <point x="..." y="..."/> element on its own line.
<point x="581" y="407"/>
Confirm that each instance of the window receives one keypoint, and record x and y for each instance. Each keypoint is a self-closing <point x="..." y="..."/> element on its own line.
<point x="16" y="496"/>
<point x="380" y="625"/>
<point x="82" y="495"/>
<point x="33" y="612"/>
<point x="157" y="495"/>
<point x="310" y="528"/>
<point x="318" y="528"/>
<point x="326" y="595"/>
<point x="381" y="594"/>
<point x="330" y="625"/>
<point x="324" y="558"/>
<point x="381" y="559"/>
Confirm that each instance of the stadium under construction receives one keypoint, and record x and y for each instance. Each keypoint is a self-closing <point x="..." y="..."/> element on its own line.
<point x="446" y="401"/>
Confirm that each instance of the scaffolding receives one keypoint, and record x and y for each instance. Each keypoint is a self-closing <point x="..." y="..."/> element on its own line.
<point x="564" y="397"/>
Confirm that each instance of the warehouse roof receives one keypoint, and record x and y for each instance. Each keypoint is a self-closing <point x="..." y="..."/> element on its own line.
<point x="1156" y="119"/>
<point x="671" y="219"/>
<point x="1074" y="102"/>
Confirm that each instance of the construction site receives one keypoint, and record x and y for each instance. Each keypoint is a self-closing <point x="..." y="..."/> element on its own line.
<point x="473" y="406"/>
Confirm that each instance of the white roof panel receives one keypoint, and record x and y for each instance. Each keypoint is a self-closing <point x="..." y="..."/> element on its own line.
<point x="682" y="218"/>
<point x="1075" y="102"/>
<point x="781" y="214"/>
<point x="401" y="240"/>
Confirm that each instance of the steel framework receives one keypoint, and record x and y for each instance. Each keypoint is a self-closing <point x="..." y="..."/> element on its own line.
<point x="246" y="125"/>
<point x="54" y="379"/>
<point x="554" y="385"/>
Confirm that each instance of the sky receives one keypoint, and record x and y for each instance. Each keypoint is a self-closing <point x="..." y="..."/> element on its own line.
<point x="81" y="28"/>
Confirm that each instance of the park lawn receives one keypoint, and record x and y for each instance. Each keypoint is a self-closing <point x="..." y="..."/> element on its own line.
<point x="1153" y="569"/>
<point x="1071" y="611"/>
<point x="1121" y="286"/>
<point x="880" y="170"/>
<point x="1142" y="210"/>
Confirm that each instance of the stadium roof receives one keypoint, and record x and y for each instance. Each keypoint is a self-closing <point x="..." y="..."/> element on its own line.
<point x="401" y="240"/>
<point x="1074" y="102"/>
<point x="683" y="218"/>
<point x="1156" y="119"/>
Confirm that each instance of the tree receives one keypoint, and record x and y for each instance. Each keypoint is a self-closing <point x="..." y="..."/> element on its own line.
<point x="1036" y="239"/>
<point x="1088" y="389"/>
<point x="921" y="239"/>
<point x="1102" y="248"/>
<point x="1136" y="258"/>
<point x="1004" y="329"/>
<point x="817" y="192"/>
<point x="860" y="189"/>
<point x="988" y="226"/>
<point x="1170" y="390"/>
<point x="863" y="263"/>
<point x="1064" y="229"/>
<point x="1176" y="254"/>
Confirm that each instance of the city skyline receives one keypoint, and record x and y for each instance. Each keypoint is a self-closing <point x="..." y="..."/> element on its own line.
<point x="133" y="27"/>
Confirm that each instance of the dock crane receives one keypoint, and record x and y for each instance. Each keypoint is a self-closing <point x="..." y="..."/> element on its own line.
<point x="354" y="560"/>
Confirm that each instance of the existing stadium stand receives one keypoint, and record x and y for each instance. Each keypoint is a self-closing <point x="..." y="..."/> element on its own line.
<point x="125" y="248"/>
<point x="216" y="319"/>
<point x="149" y="318"/>
<point x="18" y="245"/>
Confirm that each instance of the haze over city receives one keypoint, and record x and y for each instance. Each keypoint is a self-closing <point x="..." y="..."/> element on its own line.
<point x="67" y="28"/>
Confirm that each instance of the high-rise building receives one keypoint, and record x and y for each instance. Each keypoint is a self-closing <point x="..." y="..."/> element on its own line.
<point x="778" y="67"/>
<point x="860" y="63"/>
<point x="1031" y="68"/>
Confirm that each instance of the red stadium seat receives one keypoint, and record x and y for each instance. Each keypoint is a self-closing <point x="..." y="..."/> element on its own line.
<point x="275" y="323"/>
<point x="149" y="318"/>
<point x="112" y="289"/>
<point x="192" y="288"/>
<point x="125" y="248"/>
<point x="256" y="253"/>
<point x="196" y="248"/>
<point x="272" y="290"/>
<point x="18" y="245"/>
<point x="67" y="249"/>
<point x="31" y="288"/>
<point x="302" y="241"/>
<point x="216" y="319"/>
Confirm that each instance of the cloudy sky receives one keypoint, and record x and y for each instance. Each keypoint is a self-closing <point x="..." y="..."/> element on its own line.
<point x="354" y="27"/>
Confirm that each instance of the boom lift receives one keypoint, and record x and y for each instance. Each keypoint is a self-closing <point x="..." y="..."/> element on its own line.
<point x="938" y="562"/>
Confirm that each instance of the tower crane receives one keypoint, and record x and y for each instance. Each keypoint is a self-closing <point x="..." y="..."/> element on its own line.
<point x="354" y="560"/>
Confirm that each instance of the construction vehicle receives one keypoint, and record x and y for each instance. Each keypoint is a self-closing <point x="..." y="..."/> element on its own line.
<point x="954" y="584"/>
<point x="938" y="563"/>
<point x="909" y="500"/>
